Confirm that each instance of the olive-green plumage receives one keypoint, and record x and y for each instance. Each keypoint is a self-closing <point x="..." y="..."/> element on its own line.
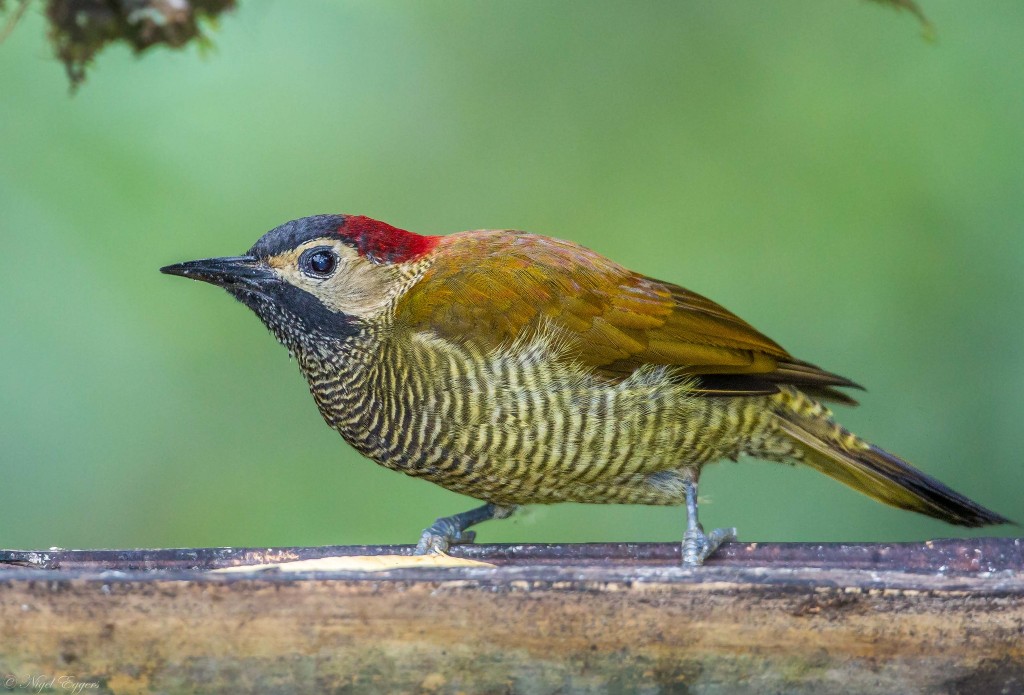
<point x="521" y="369"/>
<point x="520" y="425"/>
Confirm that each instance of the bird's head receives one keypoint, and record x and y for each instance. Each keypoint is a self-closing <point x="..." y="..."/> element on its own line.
<point x="317" y="279"/>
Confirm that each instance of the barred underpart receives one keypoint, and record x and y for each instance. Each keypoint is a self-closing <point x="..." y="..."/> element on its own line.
<point x="526" y="423"/>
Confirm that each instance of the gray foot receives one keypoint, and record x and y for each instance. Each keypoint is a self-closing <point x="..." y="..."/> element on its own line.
<point x="697" y="545"/>
<point x="451" y="530"/>
<point x="442" y="535"/>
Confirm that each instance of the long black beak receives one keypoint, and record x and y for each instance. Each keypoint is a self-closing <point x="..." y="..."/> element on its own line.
<point x="233" y="272"/>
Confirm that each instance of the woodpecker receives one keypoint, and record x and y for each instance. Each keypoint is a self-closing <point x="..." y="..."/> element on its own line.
<point x="521" y="369"/>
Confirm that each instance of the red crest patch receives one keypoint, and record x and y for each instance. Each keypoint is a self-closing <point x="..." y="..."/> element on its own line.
<point x="383" y="243"/>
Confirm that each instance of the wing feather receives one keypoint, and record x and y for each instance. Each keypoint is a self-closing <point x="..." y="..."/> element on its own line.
<point x="491" y="288"/>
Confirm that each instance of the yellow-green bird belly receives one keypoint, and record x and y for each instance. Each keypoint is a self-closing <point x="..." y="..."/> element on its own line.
<point x="526" y="424"/>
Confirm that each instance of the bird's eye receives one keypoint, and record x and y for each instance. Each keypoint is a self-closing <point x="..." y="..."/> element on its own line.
<point x="321" y="262"/>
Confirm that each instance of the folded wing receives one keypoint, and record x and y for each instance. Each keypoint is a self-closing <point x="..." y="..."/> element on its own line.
<point x="496" y="287"/>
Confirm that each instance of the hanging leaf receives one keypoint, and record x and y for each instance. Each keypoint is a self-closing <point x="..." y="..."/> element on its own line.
<point x="79" y="29"/>
<point x="927" y="28"/>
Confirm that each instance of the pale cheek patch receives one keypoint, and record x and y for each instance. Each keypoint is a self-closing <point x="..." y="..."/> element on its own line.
<point x="357" y="287"/>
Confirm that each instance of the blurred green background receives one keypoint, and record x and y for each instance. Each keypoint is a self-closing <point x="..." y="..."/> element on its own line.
<point x="849" y="188"/>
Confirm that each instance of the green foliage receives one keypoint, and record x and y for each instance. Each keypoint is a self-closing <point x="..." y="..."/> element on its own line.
<point x="850" y="190"/>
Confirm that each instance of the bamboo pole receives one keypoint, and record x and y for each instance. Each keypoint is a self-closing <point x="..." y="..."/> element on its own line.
<point x="938" y="617"/>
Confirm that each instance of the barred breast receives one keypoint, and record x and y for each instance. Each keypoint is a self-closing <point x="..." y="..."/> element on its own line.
<point x="526" y="424"/>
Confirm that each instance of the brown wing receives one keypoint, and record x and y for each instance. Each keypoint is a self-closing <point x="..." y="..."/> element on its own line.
<point x="490" y="287"/>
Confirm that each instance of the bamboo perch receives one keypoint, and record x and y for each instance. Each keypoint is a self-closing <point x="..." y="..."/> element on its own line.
<point x="938" y="617"/>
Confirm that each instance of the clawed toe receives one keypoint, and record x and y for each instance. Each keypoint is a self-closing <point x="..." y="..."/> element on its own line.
<point x="439" y="538"/>
<point x="451" y="530"/>
<point x="698" y="546"/>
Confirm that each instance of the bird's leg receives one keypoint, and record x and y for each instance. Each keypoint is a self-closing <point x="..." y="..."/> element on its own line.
<point x="451" y="530"/>
<point x="697" y="545"/>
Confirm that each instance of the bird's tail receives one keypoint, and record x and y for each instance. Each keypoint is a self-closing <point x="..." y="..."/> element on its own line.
<point x="828" y="447"/>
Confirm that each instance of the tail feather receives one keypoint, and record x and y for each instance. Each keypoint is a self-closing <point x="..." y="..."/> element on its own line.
<point x="839" y="454"/>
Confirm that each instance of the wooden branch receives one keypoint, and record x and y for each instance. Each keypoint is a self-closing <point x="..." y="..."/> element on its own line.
<point x="943" y="617"/>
